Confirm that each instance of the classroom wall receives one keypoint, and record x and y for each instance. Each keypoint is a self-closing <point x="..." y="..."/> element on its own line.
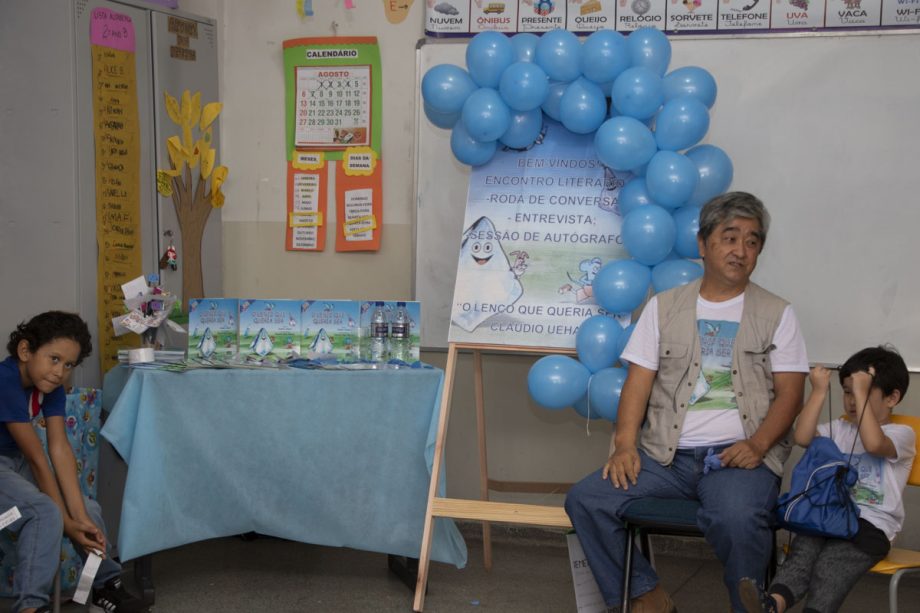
<point x="252" y="133"/>
<point x="525" y="442"/>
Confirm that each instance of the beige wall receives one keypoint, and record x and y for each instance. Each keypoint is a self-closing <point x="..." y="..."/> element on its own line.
<point x="252" y="146"/>
<point x="525" y="442"/>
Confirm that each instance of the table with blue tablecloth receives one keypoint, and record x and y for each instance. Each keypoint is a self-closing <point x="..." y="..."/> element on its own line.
<point x="330" y="457"/>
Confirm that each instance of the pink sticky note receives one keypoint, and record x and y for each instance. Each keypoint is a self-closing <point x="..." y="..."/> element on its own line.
<point x="349" y="4"/>
<point x="110" y="29"/>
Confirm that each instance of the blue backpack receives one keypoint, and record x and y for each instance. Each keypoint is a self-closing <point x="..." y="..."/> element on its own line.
<point x="819" y="502"/>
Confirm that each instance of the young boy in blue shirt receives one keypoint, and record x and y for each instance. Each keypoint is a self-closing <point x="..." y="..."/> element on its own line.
<point x="47" y="495"/>
<point x="824" y="570"/>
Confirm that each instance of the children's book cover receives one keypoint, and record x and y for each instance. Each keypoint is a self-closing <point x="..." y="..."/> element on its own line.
<point x="330" y="329"/>
<point x="269" y="329"/>
<point x="212" y="328"/>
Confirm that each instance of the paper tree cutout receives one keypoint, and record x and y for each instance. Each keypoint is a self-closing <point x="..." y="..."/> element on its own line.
<point x="191" y="195"/>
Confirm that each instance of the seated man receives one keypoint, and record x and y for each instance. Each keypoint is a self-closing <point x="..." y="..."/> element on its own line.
<point x="720" y="365"/>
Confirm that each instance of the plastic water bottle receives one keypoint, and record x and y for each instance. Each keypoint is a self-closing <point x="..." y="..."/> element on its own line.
<point x="400" y="341"/>
<point x="380" y="333"/>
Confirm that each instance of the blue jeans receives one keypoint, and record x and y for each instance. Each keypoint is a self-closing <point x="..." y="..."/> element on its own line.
<point x="40" y="529"/>
<point x="736" y="518"/>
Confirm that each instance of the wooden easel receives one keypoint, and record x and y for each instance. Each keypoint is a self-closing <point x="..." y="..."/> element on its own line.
<point x="482" y="510"/>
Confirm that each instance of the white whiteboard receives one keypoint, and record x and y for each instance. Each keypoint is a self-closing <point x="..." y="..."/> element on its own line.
<point x="824" y="128"/>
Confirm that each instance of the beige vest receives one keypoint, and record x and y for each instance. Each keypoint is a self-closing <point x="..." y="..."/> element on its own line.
<point x="679" y="368"/>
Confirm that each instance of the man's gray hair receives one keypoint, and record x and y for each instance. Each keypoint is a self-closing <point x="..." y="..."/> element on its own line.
<point x="729" y="206"/>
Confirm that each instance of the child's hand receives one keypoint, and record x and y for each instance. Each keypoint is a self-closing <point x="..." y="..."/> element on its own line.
<point x="820" y="379"/>
<point x="85" y="534"/>
<point x="862" y="382"/>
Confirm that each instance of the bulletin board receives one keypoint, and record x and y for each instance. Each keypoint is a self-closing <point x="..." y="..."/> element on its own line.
<point x="823" y="128"/>
<point x="333" y="128"/>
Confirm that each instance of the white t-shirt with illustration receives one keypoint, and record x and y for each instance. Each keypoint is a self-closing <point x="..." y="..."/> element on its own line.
<point x="712" y="418"/>
<point x="880" y="487"/>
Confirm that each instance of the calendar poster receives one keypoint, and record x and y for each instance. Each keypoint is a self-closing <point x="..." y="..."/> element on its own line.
<point x="333" y="107"/>
<point x="333" y="129"/>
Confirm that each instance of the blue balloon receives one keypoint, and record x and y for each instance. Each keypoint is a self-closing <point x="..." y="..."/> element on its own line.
<point x="640" y="171"/>
<point x="524" y="45"/>
<point x="681" y="123"/>
<point x="467" y="149"/>
<point x="442" y="120"/>
<point x="582" y="406"/>
<point x="687" y="222"/>
<point x="621" y="285"/>
<point x="650" y="48"/>
<point x="604" y="391"/>
<point x="648" y="234"/>
<point x="554" y="99"/>
<point x="691" y="81"/>
<point x="487" y="56"/>
<point x="558" y="52"/>
<point x="604" y="56"/>
<point x="485" y="115"/>
<point x="524" y="129"/>
<point x="672" y="256"/>
<point x="523" y="86"/>
<point x="624" y="339"/>
<point x="633" y="195"/>
<point x="607" y="89"/>
<point x="596" y="342"/>
<point x="715" y="170"/>
<point x="583" y="106"/>
<point x="637" y="92"/>
<point x="445" y="88"/>
<point x="557" y="381"/>
<point x="671" y="178"/>
<point x="623" y="143"/>
<point x="674" y="273"/>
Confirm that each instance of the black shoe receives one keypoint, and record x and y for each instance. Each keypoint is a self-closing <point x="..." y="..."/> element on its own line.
<point x="114" y="598"/>
<point x="754" y="599"/>
<point x="43" y="609"/>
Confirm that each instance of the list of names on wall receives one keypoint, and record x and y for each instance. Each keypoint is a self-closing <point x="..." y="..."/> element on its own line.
<point x="117" y="154"/>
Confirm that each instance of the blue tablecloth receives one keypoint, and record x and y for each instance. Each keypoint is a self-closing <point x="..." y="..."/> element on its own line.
<point x="339" y="458"/>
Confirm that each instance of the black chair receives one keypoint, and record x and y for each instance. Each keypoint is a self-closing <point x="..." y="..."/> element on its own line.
<point x="666" y="516"/>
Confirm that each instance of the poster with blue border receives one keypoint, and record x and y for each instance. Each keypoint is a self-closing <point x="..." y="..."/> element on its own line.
<point x="539" y="225"/>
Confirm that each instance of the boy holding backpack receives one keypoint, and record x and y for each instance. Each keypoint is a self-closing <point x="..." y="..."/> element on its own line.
<point x="874" y="381"/>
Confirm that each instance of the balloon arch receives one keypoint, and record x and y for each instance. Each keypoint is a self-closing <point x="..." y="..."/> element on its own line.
<point x="645" y="120"/>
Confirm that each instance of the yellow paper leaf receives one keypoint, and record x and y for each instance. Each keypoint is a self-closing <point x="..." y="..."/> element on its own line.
<point x="208" y="156"/>
<point x="193" y="157"/>
<point x="217" y="199"/>
<point x="171" y="172"/>
<point x="218" y="178"/>
<point x="172" y="108"/>
<point x="177" y="154"/>
<point x="164" y="183"/>
<point x="187" y="136"/>
<point x="196" y="109"/>
<point x="186" y="110"/>
<point x="209" y="113"/>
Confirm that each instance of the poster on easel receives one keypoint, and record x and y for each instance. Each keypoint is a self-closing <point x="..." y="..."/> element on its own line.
<point x="539" y="225"/>
<point x="116" y="135"/>
<point x="333" y="97"/>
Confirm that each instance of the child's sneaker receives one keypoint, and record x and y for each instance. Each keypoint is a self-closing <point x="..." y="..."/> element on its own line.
<point x="754" y="599"/>
<point x="114" y="598"/>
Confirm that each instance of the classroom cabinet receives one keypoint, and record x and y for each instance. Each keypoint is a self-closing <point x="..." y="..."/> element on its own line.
<point x="48" y="175"/>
